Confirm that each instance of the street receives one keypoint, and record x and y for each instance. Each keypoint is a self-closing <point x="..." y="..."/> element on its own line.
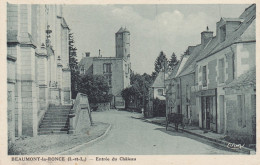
<point x="129" y="136"/>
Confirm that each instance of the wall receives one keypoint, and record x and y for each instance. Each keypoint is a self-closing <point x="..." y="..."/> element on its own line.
<point x="233" y="129"/>
<point x="117" y="72"/>
<point x="193" y="116"/>
<point x="156" y="93"/>
<point x="35" y="67"/>
<point x="243" y="55"/>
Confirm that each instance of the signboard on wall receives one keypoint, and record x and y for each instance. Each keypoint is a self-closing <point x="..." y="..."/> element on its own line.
<point x="210" y="92"/>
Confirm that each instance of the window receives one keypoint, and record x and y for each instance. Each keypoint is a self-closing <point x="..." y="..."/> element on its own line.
<point x="241" y="110"/>
<point x="126" y="69"/>
<point x="178" y="91"/>
<point x="222" y="33"/>
<point x="109" y="79"/>
<point x="204" y="76"/>
<point x="160" y="92"/>
<point x="82" y="71"/>
<point x="179" y="109"/>
<point x="107" y="68"/>
<point x="221" y="70"/>
<point x="187" y="92"/>
<point x="233" y="66"/>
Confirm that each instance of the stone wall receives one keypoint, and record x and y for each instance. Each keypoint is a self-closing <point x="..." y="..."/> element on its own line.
<point x="188" y="103"/>
<point x="117" y="72"/>
<point x="247" y="129"/>
<point x="35" y="67"/>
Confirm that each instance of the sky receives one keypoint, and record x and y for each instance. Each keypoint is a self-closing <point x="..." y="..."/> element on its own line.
<point x="153" y="28"/>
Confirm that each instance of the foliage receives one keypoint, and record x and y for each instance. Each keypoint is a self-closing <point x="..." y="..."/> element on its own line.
<point x="159" y="108"/>
<point x="139" y="89"/>
<point x="96" y="87"/>
<point x="154" y="75"/>
<point x="73" y="64"/>
<point x="161" y="62"/>
<point x="173" y="61"/>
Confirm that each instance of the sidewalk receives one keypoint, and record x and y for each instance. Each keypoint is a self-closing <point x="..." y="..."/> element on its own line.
<point x="213" y="137"/>
<point x="57" y="144"/>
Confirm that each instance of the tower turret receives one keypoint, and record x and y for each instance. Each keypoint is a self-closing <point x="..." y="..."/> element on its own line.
<point x="123" y="43"/>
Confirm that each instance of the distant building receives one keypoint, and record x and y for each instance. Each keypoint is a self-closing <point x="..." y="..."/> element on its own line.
<point x="38" y="65"/>
<point x="115" y="69"/>
<point x="156" y="91"/>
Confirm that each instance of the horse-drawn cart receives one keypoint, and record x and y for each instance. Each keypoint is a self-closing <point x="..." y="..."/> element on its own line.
<point x="175" y="118"/>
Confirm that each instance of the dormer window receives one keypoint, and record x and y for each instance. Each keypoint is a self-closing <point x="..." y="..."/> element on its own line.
<point x="222" y="33"/>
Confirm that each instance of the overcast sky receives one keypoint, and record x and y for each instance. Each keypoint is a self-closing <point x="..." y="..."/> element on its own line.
<point x="170" y="28"/>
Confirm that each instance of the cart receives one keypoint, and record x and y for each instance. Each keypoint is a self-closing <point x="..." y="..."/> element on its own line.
<point x="175" y="118"/>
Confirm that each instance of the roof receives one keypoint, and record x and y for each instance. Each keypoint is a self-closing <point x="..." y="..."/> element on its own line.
<point x="182" y="63"/>
<point x="174" y="71"/>
<point x="86" y="62"/>
<point x="245" y="32"/>
<point x="159" y="81"/>
<point x="123" y="30"/>
<point x="190" y="65"/>
<point x="232" y="19"/>
<point x="248" y="78"/>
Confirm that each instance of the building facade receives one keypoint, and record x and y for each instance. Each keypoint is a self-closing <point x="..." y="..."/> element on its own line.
<point x="214" y="87"/>
<point x="116" y="69"/>
<point x="232" y="53"/>
<point x="38" y="65"/>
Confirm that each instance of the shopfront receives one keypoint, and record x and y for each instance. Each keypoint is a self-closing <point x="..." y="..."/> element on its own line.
<point x="208" y="109"/>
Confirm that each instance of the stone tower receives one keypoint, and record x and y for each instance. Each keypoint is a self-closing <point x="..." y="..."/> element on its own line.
<point x="123" y="44"/>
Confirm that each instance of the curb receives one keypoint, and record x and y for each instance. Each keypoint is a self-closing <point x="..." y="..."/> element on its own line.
<point x="218" y="142"/>
<point x="85" y="144"/>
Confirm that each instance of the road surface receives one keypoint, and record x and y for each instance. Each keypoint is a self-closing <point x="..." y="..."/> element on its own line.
<point x="129" y="136"/>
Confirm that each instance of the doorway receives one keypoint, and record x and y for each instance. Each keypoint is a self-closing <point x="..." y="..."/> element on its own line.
<point x="209" y="113"/>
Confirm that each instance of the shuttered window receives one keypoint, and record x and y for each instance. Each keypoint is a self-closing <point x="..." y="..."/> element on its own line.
<point x="204" y="76"/>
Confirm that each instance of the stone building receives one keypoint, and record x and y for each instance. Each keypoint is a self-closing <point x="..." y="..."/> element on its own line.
<point x="225" y="58"/>
<point x="240" y="99"/>
<point x="38" y="65"/>
<point x="214" y="84"/>
<point x="115" y="69"/>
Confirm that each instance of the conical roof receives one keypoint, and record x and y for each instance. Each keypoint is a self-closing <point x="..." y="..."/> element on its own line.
<point x="122" y="30"/>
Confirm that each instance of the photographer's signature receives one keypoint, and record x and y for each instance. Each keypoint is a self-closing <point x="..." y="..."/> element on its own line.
<point x="235" y="146"/>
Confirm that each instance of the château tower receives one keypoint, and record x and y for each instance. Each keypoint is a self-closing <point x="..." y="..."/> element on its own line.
<point x="123" y="44"/>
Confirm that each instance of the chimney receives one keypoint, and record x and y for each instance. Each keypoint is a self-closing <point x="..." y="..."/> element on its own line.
<point x="206" y="36"/>
<point x="87" y="54"/>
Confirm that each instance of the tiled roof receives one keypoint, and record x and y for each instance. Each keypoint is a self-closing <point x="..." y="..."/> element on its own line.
<point x="86" y="62"/>
<point x="173" y="73"/>
<point x="159" y="81"/>
<point x="190" y="64"/>
<point x="248" y="78"/>
<point x="245" y="32"/>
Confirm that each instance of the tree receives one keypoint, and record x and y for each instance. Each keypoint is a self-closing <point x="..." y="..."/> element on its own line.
<point x="161" y="63"/>
<point x="139" y="89"/>
<point x="96" y="87"/>
<point x="154" y="75"/>
<point x="73" y="64"/>
<point x="173" y="61"/>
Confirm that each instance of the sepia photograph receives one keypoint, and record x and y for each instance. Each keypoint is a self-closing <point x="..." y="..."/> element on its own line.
<point x="130" y="79"/>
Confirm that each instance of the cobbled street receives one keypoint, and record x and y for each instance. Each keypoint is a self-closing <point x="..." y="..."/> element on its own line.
<point x="129" y="136"/>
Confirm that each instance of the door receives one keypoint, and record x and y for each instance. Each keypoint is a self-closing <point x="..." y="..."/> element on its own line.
<point x="203" y="111"/>
<point x="208" y="113"/>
